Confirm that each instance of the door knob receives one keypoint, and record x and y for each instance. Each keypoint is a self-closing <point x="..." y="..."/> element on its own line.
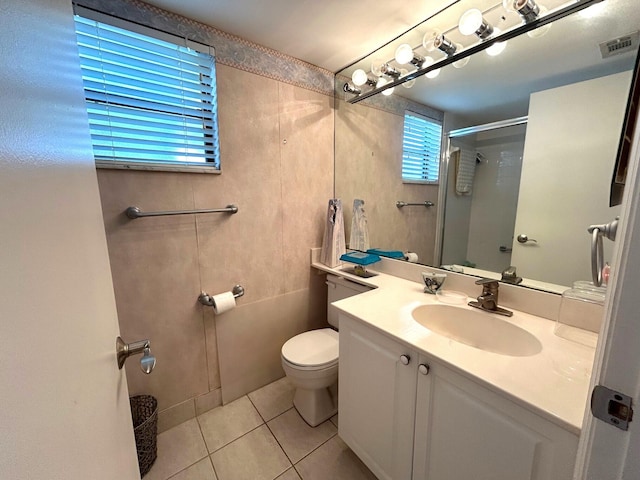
<point x="522" y="238"/>
<point x="125" y="350"/>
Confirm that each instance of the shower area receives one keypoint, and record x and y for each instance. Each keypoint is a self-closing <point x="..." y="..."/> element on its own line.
<point x="481" y="196"/>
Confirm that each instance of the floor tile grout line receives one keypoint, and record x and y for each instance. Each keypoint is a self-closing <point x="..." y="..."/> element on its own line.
<point x="278" y="441"/>
<point x="235" y="439"/>
<point x="309" y="453"/>
<point x="256" y="407"/>
<point x="185" y="468"/>
<point x="316" y="448"/>
<point x="213" y="467"/>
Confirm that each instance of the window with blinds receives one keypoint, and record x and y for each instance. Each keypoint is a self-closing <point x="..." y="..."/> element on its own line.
<point x="420" y="149"/>
<point x="151" y="103"/>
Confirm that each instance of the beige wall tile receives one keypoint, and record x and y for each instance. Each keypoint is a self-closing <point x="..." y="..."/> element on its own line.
<point x="251" y="336"/>
<point x="156" y="282"/>
<point x="161" y="264"/>
<point x="368" y="165"/>
<point x="213" y="362"/>
<point x="306" y="125"/>
<point x="244" y="248"/>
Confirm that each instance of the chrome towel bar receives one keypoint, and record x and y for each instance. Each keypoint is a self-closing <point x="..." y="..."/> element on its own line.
<point x="426" y="203"/>
<point x="135" y="212"/>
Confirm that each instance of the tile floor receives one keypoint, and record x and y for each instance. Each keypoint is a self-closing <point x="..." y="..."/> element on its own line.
<point x="260" y="436"/>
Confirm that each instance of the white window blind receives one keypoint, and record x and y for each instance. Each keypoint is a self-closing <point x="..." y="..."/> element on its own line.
<point x="150" y="102"/>
<point x="420" y="149"/>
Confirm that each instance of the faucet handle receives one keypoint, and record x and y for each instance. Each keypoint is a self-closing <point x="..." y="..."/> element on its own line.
<point x="486" y="281"/>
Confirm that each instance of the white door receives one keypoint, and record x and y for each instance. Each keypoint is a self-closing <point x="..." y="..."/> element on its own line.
<point x="563" y="192"/>
<point x="606" y="452"/>
<point x="64" y="411"/>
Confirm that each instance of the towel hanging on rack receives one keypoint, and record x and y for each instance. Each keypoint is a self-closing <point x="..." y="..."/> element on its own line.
<point x="359" y="238"/>
<point x="333" y="242"/>
<point x="465" y="168"/>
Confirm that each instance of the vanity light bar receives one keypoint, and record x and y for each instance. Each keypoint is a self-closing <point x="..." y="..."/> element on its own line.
<point x="502" y="37"/>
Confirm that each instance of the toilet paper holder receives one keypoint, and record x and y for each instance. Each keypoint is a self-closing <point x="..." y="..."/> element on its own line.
<point x="205" y="299"/>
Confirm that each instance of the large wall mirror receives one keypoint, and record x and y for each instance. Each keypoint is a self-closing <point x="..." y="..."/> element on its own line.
<point x="529" y="144"/>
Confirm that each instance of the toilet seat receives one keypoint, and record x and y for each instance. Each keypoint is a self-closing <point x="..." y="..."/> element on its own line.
<point x="313" y="350"/>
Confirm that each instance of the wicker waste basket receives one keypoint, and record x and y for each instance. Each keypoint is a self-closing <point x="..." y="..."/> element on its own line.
<point x="144" y="413"/>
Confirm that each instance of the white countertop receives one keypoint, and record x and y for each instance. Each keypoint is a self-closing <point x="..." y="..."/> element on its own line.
<point x="553" y="383"/>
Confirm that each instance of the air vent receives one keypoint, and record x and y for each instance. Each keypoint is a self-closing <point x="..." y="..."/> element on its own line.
<point x="623" y="44"/>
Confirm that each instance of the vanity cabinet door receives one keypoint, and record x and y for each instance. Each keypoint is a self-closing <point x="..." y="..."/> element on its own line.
<point x="377" y="391"/>
<point x="464" y="430"/>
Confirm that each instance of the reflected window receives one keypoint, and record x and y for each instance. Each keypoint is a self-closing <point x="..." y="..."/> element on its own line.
<point x="151" y="102"/>
<point x="421" y="149"/>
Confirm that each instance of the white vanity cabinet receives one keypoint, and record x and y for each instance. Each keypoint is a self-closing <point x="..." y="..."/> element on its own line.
<point x="424" y="421"/>
<point x="464" y="430"/>
<point x="377" y="398"/>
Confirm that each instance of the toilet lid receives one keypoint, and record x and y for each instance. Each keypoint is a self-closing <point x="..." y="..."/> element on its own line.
<point x="313" y="348"/>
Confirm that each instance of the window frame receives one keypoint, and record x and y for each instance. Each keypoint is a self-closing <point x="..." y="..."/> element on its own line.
<point x="438" y="158"/>
<point x="177" y="166"/>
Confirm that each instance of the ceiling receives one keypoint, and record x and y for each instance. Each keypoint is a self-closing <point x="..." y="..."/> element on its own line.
<point x="334" y="35"/>
<point x="330" y="34"/>
<point x="494" y="88"/>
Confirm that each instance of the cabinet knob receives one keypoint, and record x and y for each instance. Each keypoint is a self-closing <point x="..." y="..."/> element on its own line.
<point x="405" y="359"/>
<point x="423" y="368"/>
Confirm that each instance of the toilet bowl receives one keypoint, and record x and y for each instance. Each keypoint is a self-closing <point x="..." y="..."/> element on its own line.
<point x="310" y="361"/>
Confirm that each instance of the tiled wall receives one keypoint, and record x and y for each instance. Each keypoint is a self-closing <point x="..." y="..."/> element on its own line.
<point x="369" y="167"/>
<point x="276" y="143"/>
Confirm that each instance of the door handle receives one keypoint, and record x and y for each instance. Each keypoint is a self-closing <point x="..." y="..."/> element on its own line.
<point x="523" y="238"/>
<point x="125" y="350"/>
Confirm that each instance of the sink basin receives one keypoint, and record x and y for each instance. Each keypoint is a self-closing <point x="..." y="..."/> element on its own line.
<point x="481" y="330"/>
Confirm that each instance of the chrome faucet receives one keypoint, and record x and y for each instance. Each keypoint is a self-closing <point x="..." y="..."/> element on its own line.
<point x="488" y="300"/>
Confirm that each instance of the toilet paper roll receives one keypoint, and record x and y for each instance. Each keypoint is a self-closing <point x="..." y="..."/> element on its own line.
<point x="412" y="257"/>
<point x="223" y="302"/>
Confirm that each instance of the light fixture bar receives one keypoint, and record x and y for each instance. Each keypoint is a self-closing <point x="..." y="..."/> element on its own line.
<point x="507" y="35"/>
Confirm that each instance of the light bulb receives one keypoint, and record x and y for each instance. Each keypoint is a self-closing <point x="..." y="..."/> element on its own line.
<point x="381" y="83"/>
<point x="433" y="39"/>
<point x="380" y="67"/>
<point x="460" y="63"/>
<point x="472" y="22"/>
<point x="429" y="39"/>
<point x="496" y="48"/>
<point x="410" y="83"/>
<point x="377" y="67"/>
<point x="404" y="54"/>
<point x="428" y="61"/>
<point x="359" y="77"/>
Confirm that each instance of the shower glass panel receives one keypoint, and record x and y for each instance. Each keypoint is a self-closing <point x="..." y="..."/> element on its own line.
<point x="482" y="197"/>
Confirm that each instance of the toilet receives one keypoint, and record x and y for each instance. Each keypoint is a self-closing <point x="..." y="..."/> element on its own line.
<point x="310" y="359"/>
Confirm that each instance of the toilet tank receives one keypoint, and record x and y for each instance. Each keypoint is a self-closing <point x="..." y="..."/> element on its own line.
<point x="337" y="289"/>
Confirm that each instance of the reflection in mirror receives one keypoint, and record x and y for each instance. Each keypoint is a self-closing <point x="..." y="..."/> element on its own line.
<point x="572" y="83"/>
